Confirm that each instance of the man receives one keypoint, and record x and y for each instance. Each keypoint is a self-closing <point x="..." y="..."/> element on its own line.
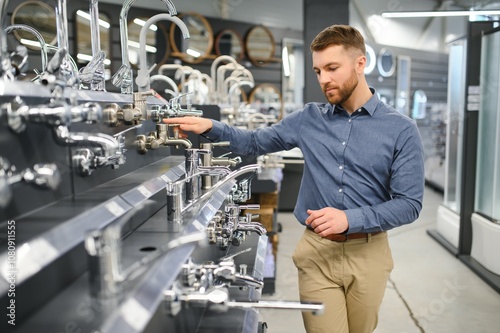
<point x="363" y="175"/>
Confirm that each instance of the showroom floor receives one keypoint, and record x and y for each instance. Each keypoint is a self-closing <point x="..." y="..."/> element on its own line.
<point x="429" y="291"/>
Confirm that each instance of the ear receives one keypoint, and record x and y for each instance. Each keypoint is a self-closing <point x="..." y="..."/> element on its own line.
<point x="360" y="64"/>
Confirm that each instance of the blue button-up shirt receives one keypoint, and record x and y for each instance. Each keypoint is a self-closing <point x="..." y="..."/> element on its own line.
<point x="369" y="164"/>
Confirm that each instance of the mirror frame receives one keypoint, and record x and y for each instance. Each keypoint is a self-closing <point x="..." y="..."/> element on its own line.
<point x="182" y="55"/>
<point x="370" y="54"/>
<point x="264" y="61"/>
<point x="251" y="97"/>
<point x="37" y="3"/>
<point x="384" y="52"/>
<point x="238" y="36"/>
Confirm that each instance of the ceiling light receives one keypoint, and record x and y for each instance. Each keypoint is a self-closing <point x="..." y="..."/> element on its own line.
<point x="443" y="13"/>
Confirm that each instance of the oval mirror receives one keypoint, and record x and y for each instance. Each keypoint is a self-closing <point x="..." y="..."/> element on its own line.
<point x="370" y="59"/>
<point x="386" y="63"/>
<point x="267" y="99"/>
<point x="156" y="42"/>
<point x="259" y="45"/>
<point x="229" y="42"/>
<point x="39" y="16"/>
<point x="198" y="46"/>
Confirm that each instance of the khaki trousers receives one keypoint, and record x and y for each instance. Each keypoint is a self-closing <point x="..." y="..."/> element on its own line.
<point x="349" y="278"/>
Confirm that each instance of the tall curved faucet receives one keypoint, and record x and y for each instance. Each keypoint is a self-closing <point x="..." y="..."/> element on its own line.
<point x="4" y="57"/>
<point x="123" y="77"/>
<point x="38" y="35"/>
<point x="213" y="74"/>
<point x="167" y="80"/>
<point x="142" y="79"/>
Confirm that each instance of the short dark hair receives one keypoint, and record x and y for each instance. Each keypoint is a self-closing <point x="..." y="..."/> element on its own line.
<point x="338" y="34"/>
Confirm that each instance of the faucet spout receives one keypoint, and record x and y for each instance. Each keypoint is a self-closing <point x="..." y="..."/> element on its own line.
<point x="142" y="79"/>
<point x="4" y="58"/>
<point x="39" y="37"/>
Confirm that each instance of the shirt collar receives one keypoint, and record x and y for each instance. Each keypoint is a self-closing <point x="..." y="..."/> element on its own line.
<point x="369" y="106"/>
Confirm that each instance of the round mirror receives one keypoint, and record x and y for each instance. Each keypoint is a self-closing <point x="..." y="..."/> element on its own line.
<point x="266" y="99"/>
<point x="198" y="46"/>
<point x="156" y="42"/>
<point x="229" y="42"/>
<point x="370" y="59"/>
<point x="259" y="45"/>
<point x="39" y="16"/>
<point x="385" y="62"/>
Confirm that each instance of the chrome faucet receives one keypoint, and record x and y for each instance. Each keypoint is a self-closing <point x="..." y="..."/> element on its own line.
<point x="110" y="150"/>
<point x="65" y="72"/>
<point x="213" y="68"/>
<point x="54" y="114"/>
<point x="106" y="272"/>
<point x="161" y="138"/>
<point x="217" y="299"/>
<point x="176" y="205"/>
<point x="42" y="175"/>
<point x="142" y="80"/>
<point x="41" y="41"/>
<point x="93" y="73"/>
<point x="207" y="160"/>
<point x="5" y="66"/>
<point x="123" y="78"/>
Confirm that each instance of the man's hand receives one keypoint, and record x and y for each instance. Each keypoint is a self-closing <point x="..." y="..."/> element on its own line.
<point x="197" y="125"/>
<point x="327" y="221"/>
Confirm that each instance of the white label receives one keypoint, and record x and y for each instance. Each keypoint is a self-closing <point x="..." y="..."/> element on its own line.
<point x="114" y="208"/>
<point x="134" y="314"/>
<point x="144" y="191"/>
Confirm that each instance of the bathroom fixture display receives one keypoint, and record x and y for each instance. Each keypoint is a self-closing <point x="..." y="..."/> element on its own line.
<point x="44" y="176"/>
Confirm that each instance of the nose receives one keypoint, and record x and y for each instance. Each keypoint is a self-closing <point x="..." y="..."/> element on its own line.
<point x="323" y="78"/>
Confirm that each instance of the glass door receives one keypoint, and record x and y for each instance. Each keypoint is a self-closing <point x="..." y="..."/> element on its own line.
<point x="454" y="128"/>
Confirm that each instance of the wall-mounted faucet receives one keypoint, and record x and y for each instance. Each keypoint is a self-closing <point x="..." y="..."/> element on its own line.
<point x="142" y="79"/>
<point x="109" y="151"/>
<point x="45" y="176"/>
<point x="161" y="138"/>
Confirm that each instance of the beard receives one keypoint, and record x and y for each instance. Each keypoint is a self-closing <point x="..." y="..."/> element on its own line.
<point x="342" y="93"/>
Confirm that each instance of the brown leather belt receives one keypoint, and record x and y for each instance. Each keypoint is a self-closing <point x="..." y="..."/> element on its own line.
<point x="357" y="235"/>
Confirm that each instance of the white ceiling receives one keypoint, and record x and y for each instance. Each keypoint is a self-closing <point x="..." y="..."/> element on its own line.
<point x="423" y="33"/>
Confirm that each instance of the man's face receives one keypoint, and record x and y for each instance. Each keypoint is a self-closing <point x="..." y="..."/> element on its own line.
<point x="337" y="72"/>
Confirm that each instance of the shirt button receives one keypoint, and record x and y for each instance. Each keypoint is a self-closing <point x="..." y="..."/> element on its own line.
<point x="343" y="143"/>
<point x="340" y="190"/>
<point x="350" y="120"/>
<point x="359" y="110"/>
<point x="341" y="167"/>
